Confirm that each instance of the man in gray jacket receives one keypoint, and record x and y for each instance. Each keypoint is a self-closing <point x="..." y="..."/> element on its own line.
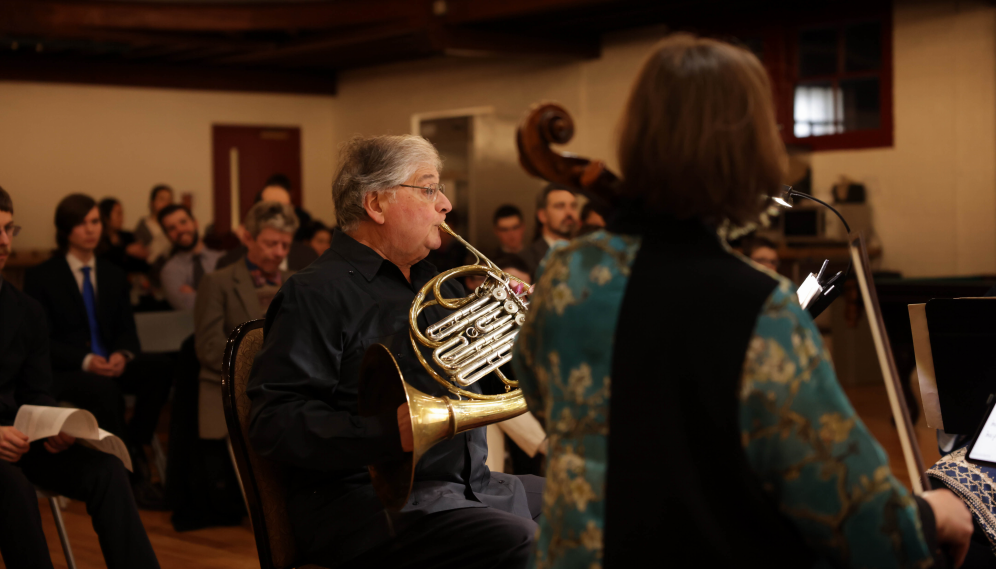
<point x="235" y="294"/>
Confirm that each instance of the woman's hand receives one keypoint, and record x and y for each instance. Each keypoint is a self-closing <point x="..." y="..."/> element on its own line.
<point x="954" y="523"/>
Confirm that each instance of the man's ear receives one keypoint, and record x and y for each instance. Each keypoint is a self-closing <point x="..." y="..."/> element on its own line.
<point x="373" y="204"/>
<point x="541" y="216"/>
<point x="244" y="236"/>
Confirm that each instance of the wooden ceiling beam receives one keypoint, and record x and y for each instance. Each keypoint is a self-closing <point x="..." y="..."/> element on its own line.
<point x="327" y="42"/>
<point x="51" y="16"/>
<point x="142" y="39"/>
<point x="93" y="72"/>
<point x="477" y="12"/>
<point x="463" y="42"/>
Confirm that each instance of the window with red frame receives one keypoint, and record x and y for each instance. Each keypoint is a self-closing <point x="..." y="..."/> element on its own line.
<point x="839" y="86"/>
<point x="832" y="80"/>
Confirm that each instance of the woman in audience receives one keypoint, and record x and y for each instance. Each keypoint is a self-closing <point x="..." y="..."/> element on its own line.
<point x="732" y="443"/>
<point x="117" y="245"/>
<point x="148" y="231"/>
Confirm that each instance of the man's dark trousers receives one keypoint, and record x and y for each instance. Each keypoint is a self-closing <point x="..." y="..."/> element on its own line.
<point x="96" y="478"/>
<point x="469" y="538"/>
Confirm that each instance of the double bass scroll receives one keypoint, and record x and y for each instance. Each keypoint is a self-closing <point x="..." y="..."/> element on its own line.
<point x="549" y="123"/>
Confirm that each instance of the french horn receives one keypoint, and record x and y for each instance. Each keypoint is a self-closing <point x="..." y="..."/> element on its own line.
<point x="473" y="341"/>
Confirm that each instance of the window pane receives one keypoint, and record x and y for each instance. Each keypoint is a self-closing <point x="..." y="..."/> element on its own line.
<point x="863" y="47"/>
<point x="821" y="108"/>
<point x="817" y="52"/>
<point x="817" y="110"/>
<point x="861" y="103"/>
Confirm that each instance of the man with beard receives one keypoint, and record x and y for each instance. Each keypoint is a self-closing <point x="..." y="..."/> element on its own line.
<point x="191" y="259"/>
<point x="557" y="220"/>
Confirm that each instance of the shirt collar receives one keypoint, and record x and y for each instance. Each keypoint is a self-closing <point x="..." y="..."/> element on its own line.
<point x="75" y="264"/>
<point x="551" y="241"/>
<point x="368" y="262"/>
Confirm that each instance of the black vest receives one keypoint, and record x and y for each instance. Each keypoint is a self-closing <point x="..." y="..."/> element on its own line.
<point x="679" y="487"/>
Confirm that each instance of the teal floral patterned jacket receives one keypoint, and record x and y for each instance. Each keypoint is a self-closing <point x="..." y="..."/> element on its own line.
<point x="800" y="434"/>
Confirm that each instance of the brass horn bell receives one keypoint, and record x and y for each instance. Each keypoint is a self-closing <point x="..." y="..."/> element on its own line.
<point x="472" y="342"/>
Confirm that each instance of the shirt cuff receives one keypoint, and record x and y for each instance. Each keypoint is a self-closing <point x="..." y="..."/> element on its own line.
<point x="86" y="361"/>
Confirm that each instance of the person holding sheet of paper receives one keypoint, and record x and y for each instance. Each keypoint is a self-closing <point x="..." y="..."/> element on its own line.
<point x="55" y="463"/>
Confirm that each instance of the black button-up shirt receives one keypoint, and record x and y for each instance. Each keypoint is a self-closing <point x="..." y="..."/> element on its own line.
<point x="304" y="389"/>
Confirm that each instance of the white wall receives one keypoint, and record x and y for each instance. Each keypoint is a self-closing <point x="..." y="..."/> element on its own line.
<point x="934" y="193"/>
<point x="382" y="100"/>
<point x="111" y="141"/>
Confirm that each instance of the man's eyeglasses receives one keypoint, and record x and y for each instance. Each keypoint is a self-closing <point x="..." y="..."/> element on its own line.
<point x="431" y="192"/>
<point x="11" y="229"/>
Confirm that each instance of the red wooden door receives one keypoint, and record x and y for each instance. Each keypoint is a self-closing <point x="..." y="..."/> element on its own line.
<point x="243" y="158"/>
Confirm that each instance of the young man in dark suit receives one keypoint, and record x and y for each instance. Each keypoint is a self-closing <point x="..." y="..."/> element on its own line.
<point x="56" y="463"/>
<point x="556" y="220"/>
<point x="95" y="351"/>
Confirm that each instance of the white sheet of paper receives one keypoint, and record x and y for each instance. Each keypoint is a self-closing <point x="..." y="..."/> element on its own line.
<point x="38" y="422"/>
<point x="985" y="445"/>
<point x="808" y="290"/>
<point x="526" y="431"/>
<point x="110" y="444"/>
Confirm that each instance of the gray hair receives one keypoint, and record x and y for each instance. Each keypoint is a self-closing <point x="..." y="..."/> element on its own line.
<point x="277" y="215"/>
<point x="374" y="164"/>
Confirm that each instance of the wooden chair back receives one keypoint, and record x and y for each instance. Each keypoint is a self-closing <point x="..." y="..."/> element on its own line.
<point x="264" y="481"/>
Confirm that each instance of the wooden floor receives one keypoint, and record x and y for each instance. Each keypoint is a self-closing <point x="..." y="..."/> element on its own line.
<point x="234" y="548"/>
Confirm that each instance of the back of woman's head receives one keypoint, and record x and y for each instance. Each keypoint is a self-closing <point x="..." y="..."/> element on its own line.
<point x="699" y="138"/>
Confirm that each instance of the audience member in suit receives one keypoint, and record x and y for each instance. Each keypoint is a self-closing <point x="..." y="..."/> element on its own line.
<point x="117" y="245"/>
<point x="190" y="261"/>
<point x="277" y="189"/>
<point x="557" y="220"/>
<point x="95" y="351"/>
<point x="509" y="228"/>
<point x="238" y="293"/>
<point x="57" y="463"/>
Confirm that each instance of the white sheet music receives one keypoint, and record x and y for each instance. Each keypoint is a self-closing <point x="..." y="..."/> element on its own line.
<point x="985" y="445"/>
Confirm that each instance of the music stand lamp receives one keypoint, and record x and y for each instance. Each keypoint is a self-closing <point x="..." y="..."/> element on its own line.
<point x="835" y="283"/>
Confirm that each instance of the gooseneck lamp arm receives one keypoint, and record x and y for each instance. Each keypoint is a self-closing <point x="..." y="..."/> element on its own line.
<point x="828" y="296"/>
<point x="791" y="193"/>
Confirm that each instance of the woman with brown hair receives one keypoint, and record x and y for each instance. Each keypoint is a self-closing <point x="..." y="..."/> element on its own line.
<point x="726" y="439"/>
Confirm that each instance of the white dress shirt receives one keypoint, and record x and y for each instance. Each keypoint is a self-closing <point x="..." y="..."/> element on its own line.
<point x="76" y="266"/>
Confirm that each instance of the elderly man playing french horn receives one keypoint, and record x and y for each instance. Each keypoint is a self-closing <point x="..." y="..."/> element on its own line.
<point x="305" y="382"/>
